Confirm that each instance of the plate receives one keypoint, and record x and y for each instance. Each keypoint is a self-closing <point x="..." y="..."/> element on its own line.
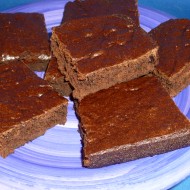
<point x="53" y="161"/>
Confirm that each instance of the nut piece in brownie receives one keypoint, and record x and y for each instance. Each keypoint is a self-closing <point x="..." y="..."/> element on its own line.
<point x="92" y="8"/>
<point x="56" y="79"/>
<point x="24" y="36"/>
<point x="173" y="38"/>
<point x="128" y="121"/>
<point x="28" y="106"/>
<point x="99" y="52"/>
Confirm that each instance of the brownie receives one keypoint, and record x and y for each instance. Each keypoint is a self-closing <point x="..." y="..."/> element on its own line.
<point x="24" y="37"/>
<point x="57" y="79"/>
<point x="28" y="106"/>
<point x="92" y="8"/>
<point x="96" y="53"/>
<point x="173" y="38"/>
<point x="128" y="121"/>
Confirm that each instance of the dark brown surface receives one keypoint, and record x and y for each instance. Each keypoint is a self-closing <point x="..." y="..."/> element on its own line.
<point x="101" y="42"/>
<point x="173" y="38"/>
<point x="96" y="53"/>
<point x="24" y="36"/>
<point x="129" y="121"/>
<point x="28" y="106"/>
<point x="56" y="79"/>
<point x="92" y="8"/>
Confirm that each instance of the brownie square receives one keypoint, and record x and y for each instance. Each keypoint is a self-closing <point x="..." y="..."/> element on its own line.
<point x="24" y="37"/>
<point x="128" y="121"/>
<point x="173" y="38"/>
<point x="57" y="79"/>
<point x="28" y="106"/>
<point x="96" y="53"/>
<point x="92" y="8"/>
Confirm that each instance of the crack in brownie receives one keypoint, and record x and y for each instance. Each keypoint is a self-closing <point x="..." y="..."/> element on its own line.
<point x="56" y="79"/>
<point x="128" y="121"/>
<point x="93" y="8"/>
<point x="24" y="37"/>
<point x="96" y="53"/>
<point x="28" y="106"/>
<point x="173" y="38"/>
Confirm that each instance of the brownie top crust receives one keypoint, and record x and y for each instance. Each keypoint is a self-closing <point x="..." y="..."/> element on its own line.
<point x="128" y="113"/>
<point x="23" y="95"/>
<point x="108" y="40"/>
<point x="23" y="36"/>
<point x="173" y="38"/>
<point x="92" y="8"/>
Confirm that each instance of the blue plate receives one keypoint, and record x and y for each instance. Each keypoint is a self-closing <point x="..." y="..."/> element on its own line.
<point x="53" y="161"/>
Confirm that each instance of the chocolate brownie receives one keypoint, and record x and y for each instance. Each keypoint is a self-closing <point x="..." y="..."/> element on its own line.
<point x="128" y="121"/>
<point x="24" y="37"/>
<point x="99" y="52"/>
<point x="173" y="38"/>
<point x="92" y="8"/>
<point x="56" y="79"/>
<point x="28" y="106"/>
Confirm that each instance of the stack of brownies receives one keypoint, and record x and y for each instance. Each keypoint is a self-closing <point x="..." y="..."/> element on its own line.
<point x="121" y="80"/>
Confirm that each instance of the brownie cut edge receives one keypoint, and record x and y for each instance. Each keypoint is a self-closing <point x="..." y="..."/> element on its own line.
<point x="57" y="79"/>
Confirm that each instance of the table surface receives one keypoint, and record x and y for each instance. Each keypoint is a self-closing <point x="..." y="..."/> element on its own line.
<point x="177" y="8"/>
